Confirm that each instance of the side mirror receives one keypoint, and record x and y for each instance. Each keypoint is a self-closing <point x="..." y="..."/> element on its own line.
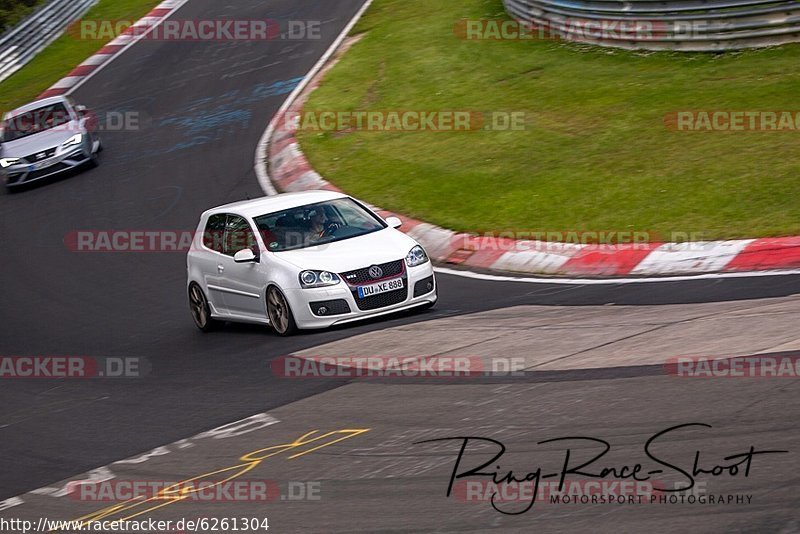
<point x="394" y="222"/>
<point x="245" y="256"/>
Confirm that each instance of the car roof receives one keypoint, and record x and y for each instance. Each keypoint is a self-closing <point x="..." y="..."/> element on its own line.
<point x="36" y="105"/>
<point x="266" y="205"/>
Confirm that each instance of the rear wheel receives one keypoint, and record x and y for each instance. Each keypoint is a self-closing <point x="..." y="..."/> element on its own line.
<point x="280" y="315"/>
<point x="201" y="312"/>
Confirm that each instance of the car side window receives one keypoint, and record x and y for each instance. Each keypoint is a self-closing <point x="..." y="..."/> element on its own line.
<point x="213" y="237"/>
<point x="238" y="236"/>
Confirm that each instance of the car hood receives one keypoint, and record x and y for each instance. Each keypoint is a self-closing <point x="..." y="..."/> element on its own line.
<point x="354" y="253"/>
<point x="40" y="141"/>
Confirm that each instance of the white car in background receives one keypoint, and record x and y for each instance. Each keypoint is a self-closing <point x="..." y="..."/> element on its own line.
<point x="47" y="137"/>
<point x="303" y="260"/>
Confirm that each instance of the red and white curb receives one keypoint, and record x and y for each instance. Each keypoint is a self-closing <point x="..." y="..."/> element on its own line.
<point x="282" y="166"/>
<point x="102" y="57"/>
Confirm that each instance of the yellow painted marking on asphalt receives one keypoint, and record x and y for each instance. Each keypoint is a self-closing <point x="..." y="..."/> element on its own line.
<point x="177" y="492"/>
<point x="302" y="441"/>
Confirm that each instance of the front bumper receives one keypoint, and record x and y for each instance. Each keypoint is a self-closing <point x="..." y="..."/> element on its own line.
<point x="417" y="280"/>
<point x="26" y="173"/>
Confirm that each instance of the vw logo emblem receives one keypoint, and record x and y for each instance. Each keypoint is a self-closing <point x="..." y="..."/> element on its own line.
<point x="375" y="272"/>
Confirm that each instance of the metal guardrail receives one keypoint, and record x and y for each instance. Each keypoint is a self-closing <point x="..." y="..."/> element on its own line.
<point x="23" y="42"/>
<point x="682" y="25"/>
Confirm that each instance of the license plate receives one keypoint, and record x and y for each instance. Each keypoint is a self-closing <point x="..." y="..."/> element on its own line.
<point x="380" y="287"/>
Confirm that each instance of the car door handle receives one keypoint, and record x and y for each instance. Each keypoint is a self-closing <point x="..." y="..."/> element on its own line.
<point x="220" y="269"/>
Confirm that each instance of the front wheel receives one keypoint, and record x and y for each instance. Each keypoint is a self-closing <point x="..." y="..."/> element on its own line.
<point x="201" y="312"/>
<point x="93" y="162"/>
<point x="280" y="315"/>
<point x="94" y="157"/>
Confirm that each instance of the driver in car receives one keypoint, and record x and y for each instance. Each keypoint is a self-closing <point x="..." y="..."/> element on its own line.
<point x="318" y="224"/>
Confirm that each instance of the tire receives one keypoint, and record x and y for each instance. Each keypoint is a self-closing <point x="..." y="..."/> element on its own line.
<point x="201" y="312"/>
<point x="93" y="161"/>
<point x="94" y="158"/>
<point x="279" y="313"/>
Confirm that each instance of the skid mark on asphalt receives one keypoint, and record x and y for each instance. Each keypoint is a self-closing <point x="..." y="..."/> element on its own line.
<point x="48" y="407"/>
<point x="394" y="457"/>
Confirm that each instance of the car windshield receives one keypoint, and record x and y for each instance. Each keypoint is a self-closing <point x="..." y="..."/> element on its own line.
<point x="316" y="224"/>
<point x="35" y="121"/>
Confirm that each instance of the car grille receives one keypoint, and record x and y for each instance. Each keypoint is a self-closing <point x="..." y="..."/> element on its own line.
<point x="41" y="155"/>
<point x="58" y="167"/>
<point x="382" y="300"/>
<point x="334" y="307"/>
<point x="421" y="287"/>
<point x="361" y="276"/>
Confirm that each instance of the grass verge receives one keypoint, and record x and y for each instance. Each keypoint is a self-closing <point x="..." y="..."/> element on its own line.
<point x="65" y="53"/>
<point x="596" y="154"/>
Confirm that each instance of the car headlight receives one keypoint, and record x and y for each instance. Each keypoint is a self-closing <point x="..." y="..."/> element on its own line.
<point x="416" y="257"/>
<point x="74" y="140"/>
<point x="309" y="279"/>
<point x="8" y="162"/>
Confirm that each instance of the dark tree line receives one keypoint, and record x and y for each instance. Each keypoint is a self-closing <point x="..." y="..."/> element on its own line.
<point x="12" y="11"/>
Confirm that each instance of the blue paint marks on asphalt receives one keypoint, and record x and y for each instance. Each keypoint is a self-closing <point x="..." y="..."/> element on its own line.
<point x="200" y="124"/>
<point x="219" y="119"/>
<point x="278" y="88"/>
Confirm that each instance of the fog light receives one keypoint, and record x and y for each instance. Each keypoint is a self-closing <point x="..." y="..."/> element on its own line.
<point x="322" y="310"/>
<point x="430" y="286"/>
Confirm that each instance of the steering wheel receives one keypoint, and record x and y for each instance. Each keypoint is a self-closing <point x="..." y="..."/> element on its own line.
<point x="330" y="229"/>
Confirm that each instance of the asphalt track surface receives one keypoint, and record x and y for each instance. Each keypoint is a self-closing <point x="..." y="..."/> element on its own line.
<point x="205" y="107"/>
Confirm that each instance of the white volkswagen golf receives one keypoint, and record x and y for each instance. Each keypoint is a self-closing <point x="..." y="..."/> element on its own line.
<point x="303" y="260"/>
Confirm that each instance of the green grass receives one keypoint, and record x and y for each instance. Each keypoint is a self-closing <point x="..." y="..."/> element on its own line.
<point x="65" y="53"/>
<point x="596" y="154"/>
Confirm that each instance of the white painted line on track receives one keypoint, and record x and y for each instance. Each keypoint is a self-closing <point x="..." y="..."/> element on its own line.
<point x="263" y="144"/>
<point x="100" y="474"/>
<point x="607" y="281"/>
